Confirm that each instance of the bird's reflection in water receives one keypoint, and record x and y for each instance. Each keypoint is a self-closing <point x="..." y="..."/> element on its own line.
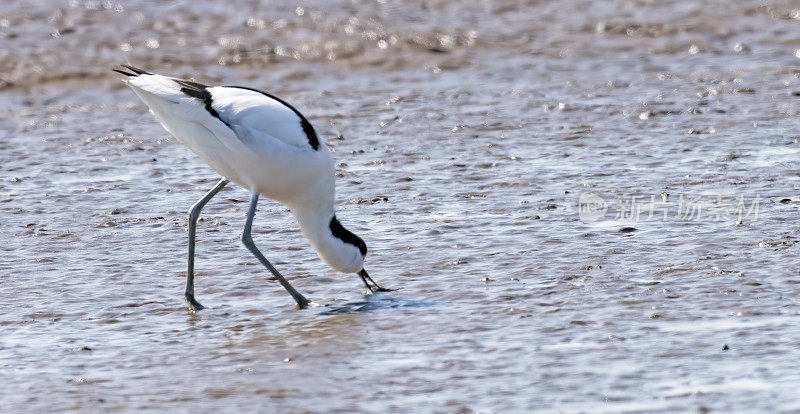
<point x="376" y="302"/>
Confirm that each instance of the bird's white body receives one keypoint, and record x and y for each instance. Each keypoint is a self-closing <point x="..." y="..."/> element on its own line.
<point x="262" y="144"/>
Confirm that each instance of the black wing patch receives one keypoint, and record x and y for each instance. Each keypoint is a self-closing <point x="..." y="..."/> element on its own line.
<point x="346" y="236"/>
<point x="307" y="128"/>
<point x="200" y="91"/>
<point x="193" y="89"/>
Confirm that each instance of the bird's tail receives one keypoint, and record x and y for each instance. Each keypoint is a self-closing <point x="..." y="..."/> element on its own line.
<point x="130" y="71"/>
<point x="154" y="89"/>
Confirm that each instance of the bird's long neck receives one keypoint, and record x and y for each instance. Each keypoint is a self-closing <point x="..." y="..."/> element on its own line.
<point x="314" y="220"/>
<point x="337" y="246"/>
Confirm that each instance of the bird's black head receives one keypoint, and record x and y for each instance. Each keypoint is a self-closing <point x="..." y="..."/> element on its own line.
<point x="347" y="236"/>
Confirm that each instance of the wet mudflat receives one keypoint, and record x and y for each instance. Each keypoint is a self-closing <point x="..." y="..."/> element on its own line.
<point x="584" y="207"/>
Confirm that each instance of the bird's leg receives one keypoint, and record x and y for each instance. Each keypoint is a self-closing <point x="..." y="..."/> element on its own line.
<point x="247" y="239"/>
<point x="365" y="283"/>
<point x="375" y="287"/>
<point x="194" y="214"/>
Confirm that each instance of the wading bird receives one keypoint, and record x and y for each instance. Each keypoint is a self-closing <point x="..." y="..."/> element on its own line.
<point x="262" y="143"/>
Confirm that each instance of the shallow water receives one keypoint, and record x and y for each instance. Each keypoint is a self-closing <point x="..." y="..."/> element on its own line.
<point x="467" y="135"/>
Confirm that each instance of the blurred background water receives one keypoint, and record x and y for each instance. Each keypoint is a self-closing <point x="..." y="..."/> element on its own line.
<point x="466" y="134"/>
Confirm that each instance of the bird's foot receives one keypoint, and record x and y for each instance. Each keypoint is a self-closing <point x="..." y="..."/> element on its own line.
<point x="374" y="287"/>
<point x="194" y="305"/>
<point x="302" y="303"/>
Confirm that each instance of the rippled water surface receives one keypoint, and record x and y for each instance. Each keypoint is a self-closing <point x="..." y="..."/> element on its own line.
<point x="465" y="134"/>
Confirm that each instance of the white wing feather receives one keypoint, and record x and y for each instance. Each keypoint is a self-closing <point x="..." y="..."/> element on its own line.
<point x="260" y="113"/>
<point x="249" y="128"/>
<point x="177" y="111"/>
